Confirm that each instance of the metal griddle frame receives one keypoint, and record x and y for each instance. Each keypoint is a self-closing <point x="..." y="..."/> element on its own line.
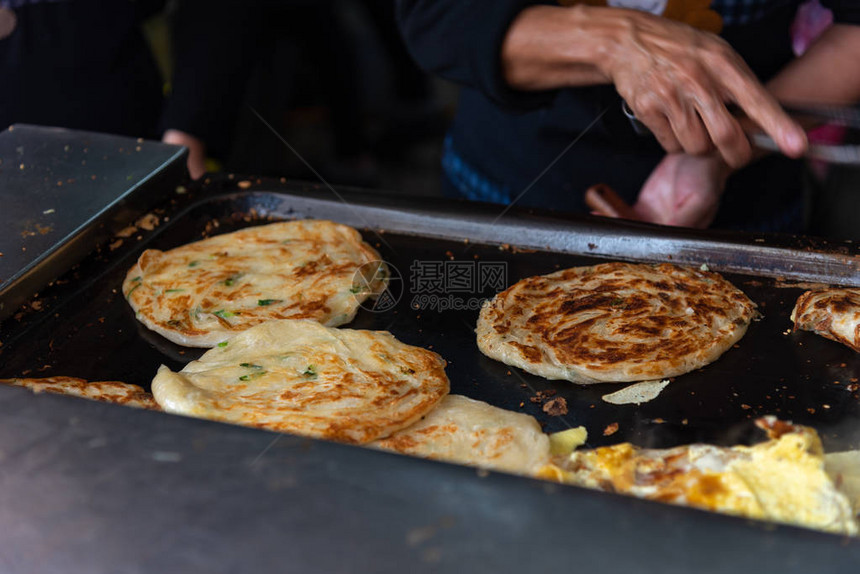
<point x="98" y="488"/>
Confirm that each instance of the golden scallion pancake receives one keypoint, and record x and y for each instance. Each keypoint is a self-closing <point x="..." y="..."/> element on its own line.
<point x="615" y="322"/>
<point x="202" y="293"/>
<point x="105" y="391"/>
<point x="831" y="313"/>
<point x="300" y="377"/>
<point x="467" y="431"/>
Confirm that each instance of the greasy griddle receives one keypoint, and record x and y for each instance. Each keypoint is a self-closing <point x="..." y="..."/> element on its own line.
<point x="83" y="327"/>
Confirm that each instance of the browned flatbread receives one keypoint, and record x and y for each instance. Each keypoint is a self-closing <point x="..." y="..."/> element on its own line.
<point x="615" y="322"/>
<point x="466" y="431"/>
<point x="105" y="391"/>
<point x="201" y="293"/>
<point x="294" y="375"/>
<point x="831" y="313"/>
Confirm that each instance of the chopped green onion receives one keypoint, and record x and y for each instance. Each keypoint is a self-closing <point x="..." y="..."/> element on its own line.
<point x="224" y="314"/>
<point x="310" y="372"/>
<point x="250" y="376"/>
<point x="175" y="291"/>
<point x="355" y="289"/>
<point x="222" y="344"/>
<point x="194" y="264"/>
<point x="265" y="302"/>
<point x="130" y="291"/>
<point x="229" y="281"/>
<point x="250" y="366"/>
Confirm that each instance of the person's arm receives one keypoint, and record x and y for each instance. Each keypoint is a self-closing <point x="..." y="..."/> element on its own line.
<point x="460" y="41"/>
<point x="685" y="190"/>
<point x="828" y="73"/>
<point x="213" y="52"/>
<point x="677" y="80"/>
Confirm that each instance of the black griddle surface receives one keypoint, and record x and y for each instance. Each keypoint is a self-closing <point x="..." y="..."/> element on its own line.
<point x="86" y="329"/>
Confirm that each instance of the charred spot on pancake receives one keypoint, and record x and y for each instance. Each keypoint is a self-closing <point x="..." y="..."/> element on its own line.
<point x="831" y="313"/>
<point x="614" y="322"/>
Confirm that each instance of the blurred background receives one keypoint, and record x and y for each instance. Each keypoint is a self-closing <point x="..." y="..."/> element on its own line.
<point x="331" y="77"/>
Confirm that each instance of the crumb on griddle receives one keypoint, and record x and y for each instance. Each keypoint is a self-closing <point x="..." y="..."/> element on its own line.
<point x="126" y="232"/>
<point x="610" y="429"/>
<point x="556" y="407"/>
<point x="147" y="222"/>
<point x="543" y="396"/>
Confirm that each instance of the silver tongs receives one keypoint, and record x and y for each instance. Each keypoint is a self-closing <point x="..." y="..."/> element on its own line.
<point x="810" y="117"/>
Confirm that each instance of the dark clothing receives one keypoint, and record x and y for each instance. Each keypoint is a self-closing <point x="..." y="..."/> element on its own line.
<point x="265" y="53"/>
<point x="502" y="139"/>
<point x="215" y="48"/>
<point x="81" y="64"/>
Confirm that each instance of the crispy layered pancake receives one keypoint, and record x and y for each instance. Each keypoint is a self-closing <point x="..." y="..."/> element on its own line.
<point x="301" y="377"/>
<point x="201" y="293"/>
<point x="614" y="322"/>
<point x="783" y="479"/>
<point x="105" y="391"/>
<point x="467" y="431"/>
<point x="831" y="313"/>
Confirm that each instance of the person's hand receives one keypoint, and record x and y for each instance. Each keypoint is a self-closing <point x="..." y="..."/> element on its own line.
<point x="683" y="190"/>
<point x="196" y="150"/>
<point x="678" y="80"/>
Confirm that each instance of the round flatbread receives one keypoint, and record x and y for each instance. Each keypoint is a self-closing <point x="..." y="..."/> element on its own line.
<point x="615" y="322"/>
<point x="104" y="391"/>
<point x="467" y="431"/>
<point x="300" y="377"/>
<point x="202" y="293"/>
<point x="831" y="313"/>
